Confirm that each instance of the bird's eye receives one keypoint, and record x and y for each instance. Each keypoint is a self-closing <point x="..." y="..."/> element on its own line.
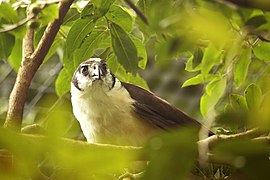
<point x="84" y="70"/>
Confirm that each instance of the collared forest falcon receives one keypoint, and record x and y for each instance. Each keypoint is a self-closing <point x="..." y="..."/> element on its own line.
<point x="111" y="111"/>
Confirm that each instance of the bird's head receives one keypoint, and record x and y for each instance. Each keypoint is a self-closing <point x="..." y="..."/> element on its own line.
<point x="93" y="73"/>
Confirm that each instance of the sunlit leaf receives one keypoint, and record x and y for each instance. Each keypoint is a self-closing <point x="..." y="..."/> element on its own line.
<point x="72" y="15"/>
<point x="89" y="45"/>
<point x="58" y="42"/>
<point x="62" y="83"/>
<point x="121" y="17"/>
<point x="48" y="14"/>
<point x="262" y="51"/>
<point x="214" y="91"/>
<point x="15" y="57"/>
<point x="7" y="42"/>
<point x="253" y="96"/>
<point x="189" y="65"/>
<point x="199" y="79"/>
<point x="124" y="48"/>
<point x="102" y="7"/>
<point x="78" y="32"/>
<point x="241" y="67"/>
<point x="8" y="13"/>
<point x="211" y="58"/>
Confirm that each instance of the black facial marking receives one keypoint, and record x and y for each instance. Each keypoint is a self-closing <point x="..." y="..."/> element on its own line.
<point x="75" y="82"/>
<point x="113" y="80"/>
<point x="84" y="70"/>
<point x="104" y="68"/>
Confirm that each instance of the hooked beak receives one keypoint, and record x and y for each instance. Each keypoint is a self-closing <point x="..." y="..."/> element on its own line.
<point x="97" y="73"/>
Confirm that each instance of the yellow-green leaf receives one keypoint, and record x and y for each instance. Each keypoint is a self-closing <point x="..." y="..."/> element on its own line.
<point x="241" y="67"/>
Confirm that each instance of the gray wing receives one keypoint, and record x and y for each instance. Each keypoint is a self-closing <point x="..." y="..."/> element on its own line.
<point x="156" y="110"/>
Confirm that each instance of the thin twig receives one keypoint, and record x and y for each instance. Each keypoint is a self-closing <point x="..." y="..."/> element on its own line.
<point x="12" y="27"/>
<point x="138" y="12"/>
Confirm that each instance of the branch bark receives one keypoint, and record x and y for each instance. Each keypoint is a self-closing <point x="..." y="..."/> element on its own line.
<point x="138" y="12"/>
<point x="29" y="66"/>
<point x="252" y="134"/>
<point x="264" y="5"/>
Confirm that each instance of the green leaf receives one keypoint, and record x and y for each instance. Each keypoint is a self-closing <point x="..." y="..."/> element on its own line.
<point x="58" y="42"/>
<point x="253" y="96"/>
<point x="142" y="54"/>
<point x="89" y="45"/>
<point x="88" y="11"/>
<point x="121" y="17"/>
<point x="62" y="83"/>
<point x="189" y="65"/>
<point x="8" y="13"/>
<point x="210" y="59"/>
<point x="262" y="51"/>
<point x="123" y="75"/>
<point x="199" y="79"/>
<point x="198" y="55"/>
<point x="214" y="91"/>
<point x="16" y="55"/>
<point x="48" y="14"/>
<point x="238" y="102"/>
<point x="96" y="9"/>
<point x="241" y="67"/>
<point x="102" y="6"/>
<point x="172" y="155"/>
<point x="7" y="42"/>
<point x="78" y="32"/>
<point x="124" y="48"/>
<point x="72" y="15"/>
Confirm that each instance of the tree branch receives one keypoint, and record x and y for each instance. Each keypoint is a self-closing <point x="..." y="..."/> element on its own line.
<point x="264" y="5"/>
<point x="138" y="12"/>
<point x="210" y="142"/>
<point x="30" y="64"/>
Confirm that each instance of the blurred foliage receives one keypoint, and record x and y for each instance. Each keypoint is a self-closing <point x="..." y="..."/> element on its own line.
<point x="224" y="46"/>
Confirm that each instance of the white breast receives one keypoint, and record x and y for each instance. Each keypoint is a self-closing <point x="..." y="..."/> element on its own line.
<point x="107" y="117"/>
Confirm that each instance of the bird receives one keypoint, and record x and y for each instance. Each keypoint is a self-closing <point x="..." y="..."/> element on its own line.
<point x="114" y="112"/>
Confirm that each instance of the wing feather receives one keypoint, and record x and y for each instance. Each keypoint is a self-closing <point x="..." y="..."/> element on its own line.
<point x="156" y="110"/>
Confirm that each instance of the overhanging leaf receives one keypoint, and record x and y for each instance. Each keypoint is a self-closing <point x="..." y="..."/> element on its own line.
<point x="121" y="17"/>
<point x="124" y="48"/>
<point x="123" y="75"/>
<point x="88" y="46"/>
<point x="78" y="32"/>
